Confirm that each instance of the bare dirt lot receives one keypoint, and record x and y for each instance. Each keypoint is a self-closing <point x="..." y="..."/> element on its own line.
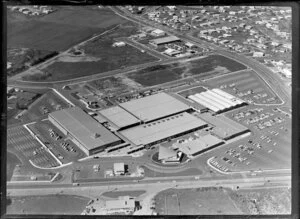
<point x="214" y="64"/>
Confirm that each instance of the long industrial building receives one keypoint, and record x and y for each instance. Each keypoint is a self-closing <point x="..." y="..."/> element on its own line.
<point x="224" y="127"/>
<point x="88" y="134"/>
<point x="164" y="40"/>
<point x="200" y="145"/>
<point x="154" y="107"/>
<point x="217" y="100"/>
<point x="160" y="130"/>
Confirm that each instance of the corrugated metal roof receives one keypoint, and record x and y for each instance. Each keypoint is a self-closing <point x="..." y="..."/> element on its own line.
<point x="154" y="107"/>
<point x="84" y="128"/>
<point x="119" y="116"/>
<point x="165" y="39"/>
<point x="161" y="129"/>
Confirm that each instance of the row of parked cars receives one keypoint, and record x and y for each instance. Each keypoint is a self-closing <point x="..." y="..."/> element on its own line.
<point x="54" y="134"/>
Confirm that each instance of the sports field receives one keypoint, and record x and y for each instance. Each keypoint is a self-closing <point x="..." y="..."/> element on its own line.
<point x="246" y="81"/>
<point x="204" y="67"/>
<point x="59" y="30"/>
<point x="200" y="201"/>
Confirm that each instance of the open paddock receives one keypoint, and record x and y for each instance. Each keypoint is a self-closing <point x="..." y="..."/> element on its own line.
<point x="105" y="57"/>
<point x="203" y="67"/>
<point x="47" y="103"/>
<point x="111" y="85"/>
<point x="58" y="31"/>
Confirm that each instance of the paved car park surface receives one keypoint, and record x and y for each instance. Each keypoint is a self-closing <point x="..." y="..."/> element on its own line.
<point x="68" y="153"/>
<point x="23" y="142"/>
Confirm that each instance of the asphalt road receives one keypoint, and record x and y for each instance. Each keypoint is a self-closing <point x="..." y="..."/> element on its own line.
<point x="274" y="176"/>
<point x="231" y="183"/>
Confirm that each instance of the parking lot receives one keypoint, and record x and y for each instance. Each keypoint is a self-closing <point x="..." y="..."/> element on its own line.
<point x="63" y="148"/>
<point x="22" y="141"/>
<point x="266" y="148"/>
<point x="246" y="85"/>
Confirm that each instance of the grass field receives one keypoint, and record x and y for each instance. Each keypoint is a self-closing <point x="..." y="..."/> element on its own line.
<point x="19" y="101"/>
<point x="50" y="100"/>
<point x="112" y="85"/>
<point x="60" y="30"/>
<point x="191" y="171"/>
<point x="108" y="58"/>
<point x="263" y="201"/>
<point x="11" y="161"/>
<point x="163" y="74"/>
<point x="214" y="64"/>
<point x="21" y="59"/>
<point x="213" y="201"/>
<point x="200" y="201"/>
<point x="51" y="204"/>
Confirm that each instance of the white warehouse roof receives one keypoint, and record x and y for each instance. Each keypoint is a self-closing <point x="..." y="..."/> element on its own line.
<point x="216" y="100"/>
<point x="119" y="117"/>
<point x="154" y="107"/>
<point x="161" y="129"/>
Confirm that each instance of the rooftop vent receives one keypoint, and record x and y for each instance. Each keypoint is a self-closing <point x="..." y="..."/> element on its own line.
<point x="96" y="135"/>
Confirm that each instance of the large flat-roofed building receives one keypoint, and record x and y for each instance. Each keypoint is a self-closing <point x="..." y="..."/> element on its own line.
<point x="154" y="107"/>
<point x="119" y="117"/>
<point x="200" y="145"/>
<point x="164" y="40"/>
<point x="83" y="130"/>
<point x="160" y="130"/>
<point x="225" y="128"/>
<point x="217" y="100"/>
